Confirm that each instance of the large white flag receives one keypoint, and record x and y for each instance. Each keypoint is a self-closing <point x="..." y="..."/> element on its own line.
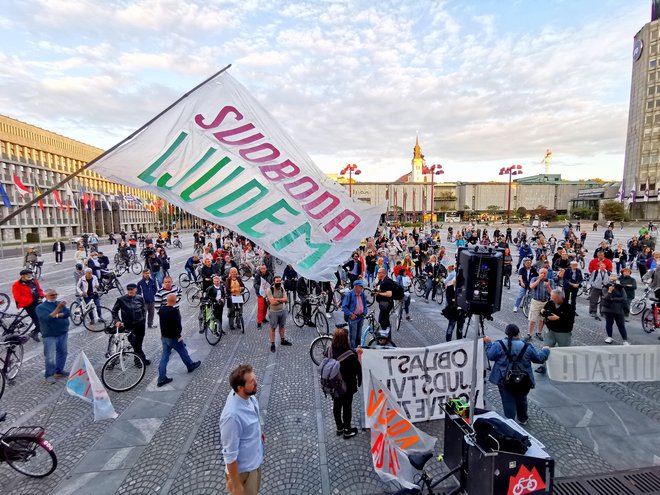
<point x="218" y="154"/>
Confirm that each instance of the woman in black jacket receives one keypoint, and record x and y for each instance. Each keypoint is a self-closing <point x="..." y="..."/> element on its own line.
<point x="612" y="304"/>
<point x="351" y="373"/>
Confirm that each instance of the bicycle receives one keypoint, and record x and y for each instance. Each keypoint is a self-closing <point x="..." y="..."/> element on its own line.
<point x="36" y="268"/>
<point x="194" y="294"/>
<point x="377" y="336"/>
<point x="20" y="323"/>
<point x="132" y="265"/>
<point x="638" y="304"/>
<point x="5" y="301"/>
<point x="524" y="305"/>
<point x="177" y="242"/>
<point x="12" y="359"/>
<point x="237" y="311"/>
<point x="26" y="451"/>
<point x="185" y="280"/>
<point x="585" y="288"/>
<point x="123" y="369"/>
<point x="245" y="270"/>
<point x="419" y="284"/>
<point x="208" y="324"/>
<point x="86" y="313"/>
<point x="110" y="280"/>
<point x="317" y="317"/>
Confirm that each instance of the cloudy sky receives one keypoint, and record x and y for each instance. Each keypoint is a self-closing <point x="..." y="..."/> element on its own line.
<point x="485" y="83"/>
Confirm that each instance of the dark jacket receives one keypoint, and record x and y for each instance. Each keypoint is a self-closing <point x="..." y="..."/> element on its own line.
<point x="147" y="289"/>
<point x="566" y="316"/>
<point x="350" y="369"/>
<point x="259" y="277"/>
<point x="170" y="322"/>
<point x="613" y="302"/>
<point x="568" y="278"/>
<point x="496" y="354"/>
<point x="629" y="285"/>
<point x="61" y="245"/>
<point x="350" y="264"/>
<point x="130" y="310"/>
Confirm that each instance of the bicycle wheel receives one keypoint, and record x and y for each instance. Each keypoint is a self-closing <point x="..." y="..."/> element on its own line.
<point x="419" y="287"/>
<point x="648" y="321"/>
<point x="319" y="347"/>
<point x="4" y="302"/>
<point x="246" y="273"/>
<point x="76" y="313"/>
<point x="201" y="321"/>
<point x="398" y="314"/>
<point x="246" y="294"/>
<point x="321" y="324"/>
<point x="30" y="455"/>
<point x="136" y="267"/>
<point x="37" y="272"/>
<point x="440" y="294"/>
<point x="184" y="281"/>
<point x="637" y="306"/>
<point x="95" y="323"/>
<point x="213" y="332"/>
<point x="2" y="383"/>
<point x="507" y="282"/>
<point x="581" y="263"/>
<point x="123" y="371"/>
<point x="296" y="314"/>
<point x="117" y="285"/>
<point x="371" y="297"/>
<point x="194" y="296"/>
<point x="12" y="361"/>
<point x="525" y="306"/>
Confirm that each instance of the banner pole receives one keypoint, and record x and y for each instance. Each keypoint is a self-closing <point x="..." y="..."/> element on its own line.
<point x="92" y="162"/>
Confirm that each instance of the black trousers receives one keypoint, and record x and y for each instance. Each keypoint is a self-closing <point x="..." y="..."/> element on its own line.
<point x="384" y="314"/>
<point x="571" y="295"/>
<point x="58" y="256"/>
<point x="137" y="337"/>
<point x="342" y="408"/>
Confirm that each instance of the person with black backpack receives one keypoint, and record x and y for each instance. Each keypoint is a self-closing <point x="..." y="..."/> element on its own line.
<point x="512" y="370"/>
<point x="341" y="375"/>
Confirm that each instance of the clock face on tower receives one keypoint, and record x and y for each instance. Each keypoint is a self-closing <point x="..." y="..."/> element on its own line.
<point x="637" y="49"/>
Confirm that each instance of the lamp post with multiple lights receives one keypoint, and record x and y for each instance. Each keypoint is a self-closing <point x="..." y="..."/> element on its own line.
<point x="510" y="171"/>
<point x="350" y="169"/>
<point x="434" y="170"/>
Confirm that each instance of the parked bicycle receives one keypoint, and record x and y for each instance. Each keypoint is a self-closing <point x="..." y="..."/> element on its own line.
<point x="317" y="316"/>
<point x="132" y="265"/>
<point x="638" y="304"/>
<point x="86" y="313"/>
<point x="5" y="301"/>
<point x="373" y="334"/>
<point x="36" y="268"/>
<point x="525" y="303"/>
<point x="26" y="450"/>
<point x="16" y="323"/>
<point x="11" y="356"/>
<point x="123" y="369"/>
<point x="110" y="280"/>
<point x="237" y="321"/>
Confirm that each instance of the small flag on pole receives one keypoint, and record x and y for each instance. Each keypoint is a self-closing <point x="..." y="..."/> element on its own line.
<point x="21" y="188"/>
<point x="5" y="197"/>
<point x="633" y="193"/>
<point x="41" y="203"/>
<point x="646" y="190"/>
<point x="622" y="193"/>
<point x="71" y="202"/>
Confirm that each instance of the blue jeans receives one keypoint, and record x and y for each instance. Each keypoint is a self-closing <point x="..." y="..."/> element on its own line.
<point x="191" y="274"/>
<point x="55" y="353"/>
<point x="168" y="345"/>
<point x="355" y="332"/>
<point x="513" y="404"/>
<point x="371" y="276"/>
<point x="521" y="294"/>
<point x="158" y="278"/>
<point x="430" y="286"/>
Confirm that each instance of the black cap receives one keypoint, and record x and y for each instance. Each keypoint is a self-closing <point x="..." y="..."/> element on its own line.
<point x="131" y="286"/>
<point x="26" y="271"/>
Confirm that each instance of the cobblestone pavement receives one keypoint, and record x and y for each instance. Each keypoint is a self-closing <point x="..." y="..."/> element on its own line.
<point x="166" y="440"/>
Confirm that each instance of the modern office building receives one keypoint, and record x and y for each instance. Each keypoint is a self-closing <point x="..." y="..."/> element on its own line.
<point x="642" y="158"/>
<point x="37" y="159"/>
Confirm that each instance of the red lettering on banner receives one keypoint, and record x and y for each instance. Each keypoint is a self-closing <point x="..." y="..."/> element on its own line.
<point x="372" y="406"/>
<point x="273" y="154"/>
<point x="275" y="173"/>
<point x="325" y="195"/>
<point x="224" y="111"/>
<point x="222" y="135"/>
<point x="311" y="188"/>
<point x="336" y="223"/>
<point x="378" y="451"/>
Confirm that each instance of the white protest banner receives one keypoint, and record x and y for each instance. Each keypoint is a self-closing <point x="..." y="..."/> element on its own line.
<point x="634" y="363"/>
<point x="393" y="436"/>
<point x="421" y="379"/>
<point x="84" y="383"/>
<point x="218" y="154"/>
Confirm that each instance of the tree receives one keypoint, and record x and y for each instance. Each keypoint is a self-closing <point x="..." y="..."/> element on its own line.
<point x="521" y="212"/>
<point x="584" y="213"/>
<point x="613" y="210"/>
<point x="493" y="208"/>
<point x="543" y="213"/>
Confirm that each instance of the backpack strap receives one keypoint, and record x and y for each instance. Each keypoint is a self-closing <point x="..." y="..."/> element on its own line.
<point x="505" y="349"/>
<point x="521" y="353"/>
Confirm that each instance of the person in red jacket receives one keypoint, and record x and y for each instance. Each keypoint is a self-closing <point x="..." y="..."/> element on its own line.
<point x="600" y="258"/>
<point x="27" y="294"/>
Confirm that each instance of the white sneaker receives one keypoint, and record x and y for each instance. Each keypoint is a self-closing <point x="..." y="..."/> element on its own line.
<point x="608" y="340"/>
<point x="515" y="309"/>
<point x="625" y="342"/>
<point x="328" y="315"/>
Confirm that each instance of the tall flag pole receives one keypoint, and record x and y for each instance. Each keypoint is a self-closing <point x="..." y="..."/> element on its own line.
<point x="646" y="190"/>
<point x="633" y="193"/>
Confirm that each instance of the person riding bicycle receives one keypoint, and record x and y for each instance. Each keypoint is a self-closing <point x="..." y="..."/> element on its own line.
<point x="524" y="251"/>
<point x="353" y="267"/>
<point x="27" y="294"/>
<point x="383" y="291"/>
<point x="525" y="275"/>
<point x="216" y="294"/>
<point x="404" y="279"/>
<point x="191" y="267"/>
<point x="304" y="289"/>
<point x="234" y="288"/>
<point x="31" y="257"/>
<point x="124" y="252"/>
<point x="435" y="273"/>
<point x="88" y="288"/>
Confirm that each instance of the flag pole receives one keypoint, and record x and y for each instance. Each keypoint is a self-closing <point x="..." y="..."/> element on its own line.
<point x="92" y="162"/>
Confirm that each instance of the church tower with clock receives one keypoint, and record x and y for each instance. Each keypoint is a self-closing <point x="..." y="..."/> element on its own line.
<point x="418" y="163"/>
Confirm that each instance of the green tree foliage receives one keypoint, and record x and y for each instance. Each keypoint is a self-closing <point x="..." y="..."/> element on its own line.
<point x="613" y="210"/>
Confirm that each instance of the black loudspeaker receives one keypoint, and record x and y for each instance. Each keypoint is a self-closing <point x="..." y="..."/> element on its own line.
<point x="479" y="280"/>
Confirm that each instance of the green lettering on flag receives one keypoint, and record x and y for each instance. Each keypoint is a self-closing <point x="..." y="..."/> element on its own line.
<point x="248" y="225"/>
<point x="147" y="175"/>
<point x="185" y="195"/>
<point x="253" y="185"/>
<point x="305" y="229"/>
<point x="162" y="182"/>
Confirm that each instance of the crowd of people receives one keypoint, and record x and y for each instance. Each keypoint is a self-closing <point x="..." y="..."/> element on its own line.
<point x="548" y="272"/>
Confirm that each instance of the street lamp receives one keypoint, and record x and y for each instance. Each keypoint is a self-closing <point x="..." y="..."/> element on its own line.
<point x="510" y="171"/>
<point x="350" y="169"/>
<point x="433" y="170"/>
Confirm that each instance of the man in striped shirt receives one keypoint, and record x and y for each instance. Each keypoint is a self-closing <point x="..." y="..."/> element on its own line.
<point x="541" y="288"/>
<point x="168" y="288"/>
